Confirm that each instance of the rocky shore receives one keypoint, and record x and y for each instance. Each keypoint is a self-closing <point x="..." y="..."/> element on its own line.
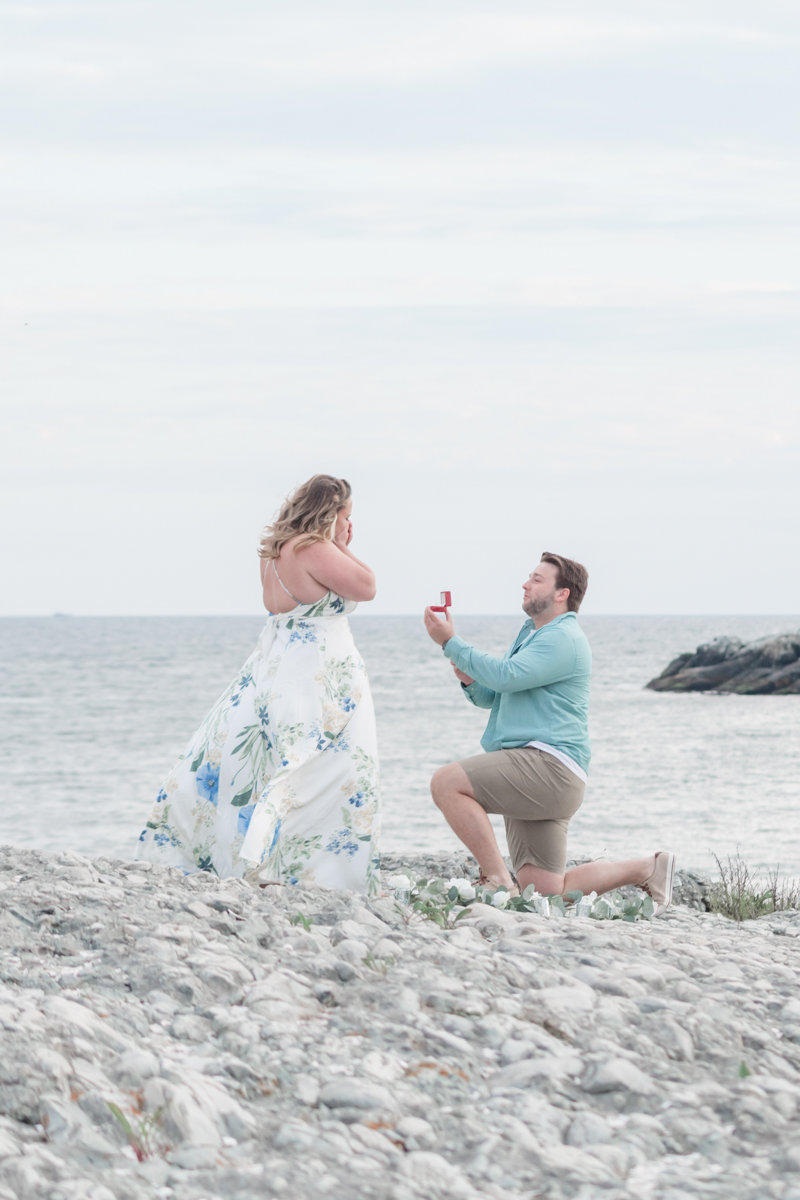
<point x="770" y="666"/>
<point x="188" y="1037"/>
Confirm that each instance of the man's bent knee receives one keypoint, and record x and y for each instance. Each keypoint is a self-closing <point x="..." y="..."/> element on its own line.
<point x="547" y="883"/>
<point x="448" y="781"/>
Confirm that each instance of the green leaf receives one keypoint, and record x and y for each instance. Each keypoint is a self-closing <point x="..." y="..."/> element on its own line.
<point x="529" y="892"/>
<point x="453" y="893"/>
<point x="330" y="735"/>
<point x="196" y="763"/>
<point x="126" y="1125"/>
<point x="574" y="896"/>
<point x="744" y="1070"/>
<point x="241" y="798"/>
<point x="290" y="623"/>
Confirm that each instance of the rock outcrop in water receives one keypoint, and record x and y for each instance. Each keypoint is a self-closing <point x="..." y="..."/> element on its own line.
<point x="296" y="1042"/>
<point x="770" y="666"/>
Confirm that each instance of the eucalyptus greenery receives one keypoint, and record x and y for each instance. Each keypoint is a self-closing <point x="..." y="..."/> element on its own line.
<point x="447" y="901"/>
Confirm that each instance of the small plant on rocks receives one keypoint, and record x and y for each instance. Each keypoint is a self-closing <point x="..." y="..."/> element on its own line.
<point x="143" y="1138"/>
<point x="742" y="896"/>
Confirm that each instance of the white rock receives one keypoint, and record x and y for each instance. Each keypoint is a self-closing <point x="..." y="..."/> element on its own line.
<point x="281" y="997"/>
<point x="134" y="1067"/>
<point x="562" y="1008"/>
<point x="356" y="1093"/>
<point x="222" y="973"/>
<point x="8" y="1145"/>
<point x="194" y="1158"/>
<point x="588" y="1129"/>
<point x="345" y="930"/>
<point x="306" y="1088"/>
<point x="427" y="1169"/>
<point x="190" y="1028"/>
<point x="373" y="1142"/>
<point x="521" y="1074"/>
<point x="186" y="1121"/>
<point x="352" y="951"/>
<point x="77" y="1016"/>
<point x="616" y="1075"/>
<point x="418" y="1131"/>
<point x="384" y="1065"/>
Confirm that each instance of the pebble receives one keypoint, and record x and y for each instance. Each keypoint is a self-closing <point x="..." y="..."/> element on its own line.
<point x="303" y="1042"/>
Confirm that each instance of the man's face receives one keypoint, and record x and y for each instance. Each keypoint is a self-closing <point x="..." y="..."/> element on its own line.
<point x="539" y="592"/>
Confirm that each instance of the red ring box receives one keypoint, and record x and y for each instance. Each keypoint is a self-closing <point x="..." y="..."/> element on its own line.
<point x="445" y="603"/>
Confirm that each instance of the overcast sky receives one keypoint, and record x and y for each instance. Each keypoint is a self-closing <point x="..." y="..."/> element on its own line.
<point x="525" y="273"/>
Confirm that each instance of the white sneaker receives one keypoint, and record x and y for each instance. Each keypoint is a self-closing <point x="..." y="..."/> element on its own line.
<point x="659" y="885"/>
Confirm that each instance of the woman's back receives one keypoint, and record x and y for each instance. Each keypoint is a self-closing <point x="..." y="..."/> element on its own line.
<point x="305" y="574"/>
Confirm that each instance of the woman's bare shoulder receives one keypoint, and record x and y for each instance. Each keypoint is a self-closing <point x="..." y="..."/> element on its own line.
<point x="316" y="552"/>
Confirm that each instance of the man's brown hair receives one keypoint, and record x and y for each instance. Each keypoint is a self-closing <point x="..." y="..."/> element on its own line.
<point x="569" y="574"/>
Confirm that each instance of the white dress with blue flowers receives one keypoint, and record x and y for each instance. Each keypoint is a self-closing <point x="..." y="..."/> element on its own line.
<point x="281" y="780"/>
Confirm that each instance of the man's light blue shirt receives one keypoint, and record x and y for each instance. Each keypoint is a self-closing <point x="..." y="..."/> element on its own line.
<point x="539" y="690"/>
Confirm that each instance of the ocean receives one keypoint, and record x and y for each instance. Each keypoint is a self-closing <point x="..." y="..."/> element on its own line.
<point x="96" y="709"/>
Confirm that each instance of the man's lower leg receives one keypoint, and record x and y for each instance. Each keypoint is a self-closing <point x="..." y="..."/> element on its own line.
<point x="472" y="825"/>
<point x="605" y="876"/>
<point x="589" y="877"/>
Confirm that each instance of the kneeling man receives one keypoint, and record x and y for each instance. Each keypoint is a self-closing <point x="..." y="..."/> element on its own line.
<point x="537" y="747"/>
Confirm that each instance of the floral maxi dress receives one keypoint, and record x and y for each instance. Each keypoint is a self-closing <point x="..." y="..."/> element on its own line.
<point x="281" y="779"/>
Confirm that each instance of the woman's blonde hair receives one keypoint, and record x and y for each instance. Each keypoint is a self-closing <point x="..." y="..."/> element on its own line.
<point x="310" y="510"/>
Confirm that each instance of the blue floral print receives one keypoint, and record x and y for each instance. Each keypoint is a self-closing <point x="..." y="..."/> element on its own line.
<point x="343" y="842"/>
<point x="303" y="632"/>
<point x="243" y="821"/>
<point x="208" y="782"/>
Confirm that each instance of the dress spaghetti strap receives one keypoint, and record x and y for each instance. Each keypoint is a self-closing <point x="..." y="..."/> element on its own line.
<point x="283" y="585"/>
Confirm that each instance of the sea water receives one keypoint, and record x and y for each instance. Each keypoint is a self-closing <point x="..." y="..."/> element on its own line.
<point x="96" y="709"/>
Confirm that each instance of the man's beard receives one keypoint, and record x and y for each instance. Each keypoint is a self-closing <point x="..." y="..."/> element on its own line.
<point x="533" y="607"/>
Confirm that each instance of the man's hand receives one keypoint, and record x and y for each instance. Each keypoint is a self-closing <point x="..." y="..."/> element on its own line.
<point x="439" y="631"/>
<point x="461" y="677"/>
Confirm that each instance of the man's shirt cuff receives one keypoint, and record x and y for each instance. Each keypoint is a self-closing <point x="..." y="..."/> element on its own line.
<point x="452" y="646"/>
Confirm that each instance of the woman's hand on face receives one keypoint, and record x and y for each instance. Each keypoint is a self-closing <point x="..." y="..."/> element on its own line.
<point x="343" y="537"/>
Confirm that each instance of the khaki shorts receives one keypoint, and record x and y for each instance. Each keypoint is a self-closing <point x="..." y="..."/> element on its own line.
<point x="536" y="795"/>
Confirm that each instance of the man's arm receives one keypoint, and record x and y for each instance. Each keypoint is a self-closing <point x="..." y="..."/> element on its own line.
<point x="546" y="659"/>
<point x="476" y="693"/>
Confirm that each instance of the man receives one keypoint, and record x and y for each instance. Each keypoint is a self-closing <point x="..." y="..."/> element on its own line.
<point x="537" y="747"/>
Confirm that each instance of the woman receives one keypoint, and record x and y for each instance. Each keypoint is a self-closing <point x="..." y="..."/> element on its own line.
<point x="281" y="780"/>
